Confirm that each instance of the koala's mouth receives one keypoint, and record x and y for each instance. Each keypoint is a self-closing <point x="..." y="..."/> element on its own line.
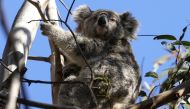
<point x="101" y="30"/>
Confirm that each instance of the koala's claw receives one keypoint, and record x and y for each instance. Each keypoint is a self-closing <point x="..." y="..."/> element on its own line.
<point x="45" y="27"/>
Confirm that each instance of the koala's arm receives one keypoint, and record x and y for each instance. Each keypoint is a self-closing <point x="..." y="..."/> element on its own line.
<point x="64" y="40"/>
<point x="56" y="33"/>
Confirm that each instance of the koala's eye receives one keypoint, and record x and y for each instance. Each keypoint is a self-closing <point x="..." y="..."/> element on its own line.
<point x="130" y="29"/>
<point x="95" y="17"/>
<point x="112" y="19"/>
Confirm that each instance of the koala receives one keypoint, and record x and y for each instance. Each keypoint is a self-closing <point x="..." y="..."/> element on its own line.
<point x="103" y="36"/>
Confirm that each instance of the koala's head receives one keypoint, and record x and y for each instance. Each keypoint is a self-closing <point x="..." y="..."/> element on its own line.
<point x="104" y="24"/>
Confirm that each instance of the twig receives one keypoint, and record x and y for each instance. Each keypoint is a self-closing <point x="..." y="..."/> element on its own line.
<point x="38" y="7"/>
<point x="59" y="16"/>
<point x="152" y="91"/>
<point x="62" y="2"/>
<point x="46" y="20"/>
<point x="62" y="82"/>
<point x="29" y="81"/>
<point x="163" y="98"/>
<point x="39" y="104"/>
<point x="147" y="35"/>
<point x="38" y="58"/>
<point x="69" y="11"/>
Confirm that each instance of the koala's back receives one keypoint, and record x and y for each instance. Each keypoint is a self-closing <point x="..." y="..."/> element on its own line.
<point x="116" y="82"/>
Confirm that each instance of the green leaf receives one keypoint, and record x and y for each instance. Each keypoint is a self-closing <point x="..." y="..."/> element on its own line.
<point x="183" y="34"/>
<point x="185" y="28"/>
<point x="167" y="37"/>
<point x="151" y="74"/>
<point x="185" y="43"/>
<point x="142" y="93"/>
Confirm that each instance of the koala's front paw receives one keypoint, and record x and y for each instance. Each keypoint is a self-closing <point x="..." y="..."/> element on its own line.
<point x="46" y="28"/>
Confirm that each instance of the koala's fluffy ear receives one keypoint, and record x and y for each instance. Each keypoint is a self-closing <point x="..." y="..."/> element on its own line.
<point x="129" y="24"/>
<point x="81" y="13"/>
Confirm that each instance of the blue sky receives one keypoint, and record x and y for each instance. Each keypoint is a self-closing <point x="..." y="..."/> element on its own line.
<point x="154" y="16"/>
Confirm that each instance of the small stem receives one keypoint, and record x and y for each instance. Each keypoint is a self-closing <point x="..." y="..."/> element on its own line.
<point x="69" y="11"/>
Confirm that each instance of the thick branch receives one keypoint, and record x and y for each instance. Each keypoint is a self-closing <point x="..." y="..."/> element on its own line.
<point x="55" y="60"/>
<point x="163" y="98"/>
<point x="17" y="47"/>
<point x="3" y="19"/>
<point x="40" y="105"/>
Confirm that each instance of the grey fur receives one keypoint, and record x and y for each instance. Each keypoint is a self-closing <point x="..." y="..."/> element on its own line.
<point x="103" y="37"/>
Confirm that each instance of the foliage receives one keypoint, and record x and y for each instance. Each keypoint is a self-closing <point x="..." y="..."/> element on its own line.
<point x="178" y="73"/>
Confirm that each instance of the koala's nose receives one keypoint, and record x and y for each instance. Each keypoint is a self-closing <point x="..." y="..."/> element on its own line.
<point x="102" y="20"/>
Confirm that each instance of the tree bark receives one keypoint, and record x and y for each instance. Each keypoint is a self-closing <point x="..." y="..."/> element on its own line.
<point x="163" y="98"/>
<point x="56" y="65"/>
<point x="19" y="42"/>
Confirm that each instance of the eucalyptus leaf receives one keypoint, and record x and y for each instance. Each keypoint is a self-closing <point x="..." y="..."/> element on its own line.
<point x="183" y="34"/>
<point x="151" y="74"/>
<point x="185" y="43"/>
<point x="167" y="37"/>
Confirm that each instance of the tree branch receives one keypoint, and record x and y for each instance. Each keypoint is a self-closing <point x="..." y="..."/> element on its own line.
<point x="163" y="98"/>
<point x="29" y="81"/>
<point x="38" y="7"/>
<point x="38" y="58"/>
<point x="17" y="48"/>
<point x="148" y="35"/>
<point x="62" y="82"/>
<point x="69" y="11"/>
<point x="39" y="104"/>
<point x="61" y="1"/>
<point x="55" y="59"/>
<point x="3" y="20"/>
